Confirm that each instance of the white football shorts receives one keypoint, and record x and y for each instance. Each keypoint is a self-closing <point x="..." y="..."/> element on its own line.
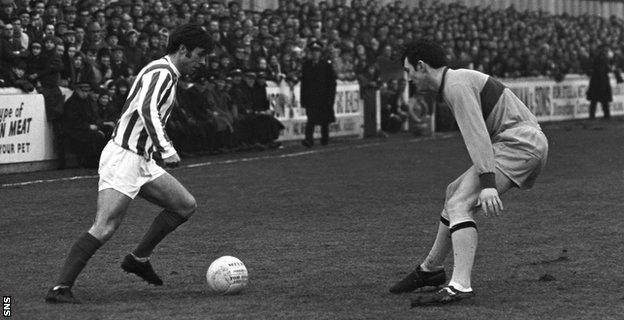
<point x="125" y="171"/>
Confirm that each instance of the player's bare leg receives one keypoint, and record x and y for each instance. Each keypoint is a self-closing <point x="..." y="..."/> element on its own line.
<point x="465" y="238"/>
<point x="111" y="208"/>
<point x="443" y="244"/>
<point x="178" y="204"/>
<point x="430" y="273"/>
<point x="461" y="207"/>
<point x="440" y="249"/>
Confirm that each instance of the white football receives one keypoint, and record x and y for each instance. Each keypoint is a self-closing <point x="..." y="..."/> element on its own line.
<point x="227" y="275"/>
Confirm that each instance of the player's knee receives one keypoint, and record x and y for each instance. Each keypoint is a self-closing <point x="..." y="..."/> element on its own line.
<point x="455" y="208"/>
<point x="104" y="229"/>
<point x="187" y="207"/>
<point x="451" y="188"/>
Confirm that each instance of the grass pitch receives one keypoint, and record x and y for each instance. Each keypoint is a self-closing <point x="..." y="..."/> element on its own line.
<point x="325" y="234"/>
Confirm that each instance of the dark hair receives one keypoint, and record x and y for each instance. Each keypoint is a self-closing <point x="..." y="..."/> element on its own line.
<point x="425" y="50"/>
<point x="191" y="35"/>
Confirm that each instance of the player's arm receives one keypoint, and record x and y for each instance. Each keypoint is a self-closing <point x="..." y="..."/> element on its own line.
<point x="155" y="86"/>
<point x="470" y="120"/>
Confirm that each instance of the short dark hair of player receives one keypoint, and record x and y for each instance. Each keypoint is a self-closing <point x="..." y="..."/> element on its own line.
<point x="425" y="50"/>
<point x="191" y="35"/>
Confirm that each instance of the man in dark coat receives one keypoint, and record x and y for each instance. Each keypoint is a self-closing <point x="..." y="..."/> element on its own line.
<point x="82" y="126"/>
<point x="49" y="76"/>
<point x="248" y="117"/>
<point x="242" y="132"/>
<point x="193" y="101"/>
<point x="17" y="78"/>
<point x="266" y="127"/>
<point x="318" y="90"/>
<point x="599" y="85"/>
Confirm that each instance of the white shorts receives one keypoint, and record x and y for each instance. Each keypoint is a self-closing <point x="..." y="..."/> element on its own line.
<point x="125" y="171"/>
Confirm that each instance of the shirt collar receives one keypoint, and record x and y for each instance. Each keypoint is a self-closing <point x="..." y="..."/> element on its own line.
<point x="443" y="80"/>
<point x="177" y="72"/>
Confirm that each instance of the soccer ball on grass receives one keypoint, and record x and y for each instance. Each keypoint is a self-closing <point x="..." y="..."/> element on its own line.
<point x="227" y="275"/>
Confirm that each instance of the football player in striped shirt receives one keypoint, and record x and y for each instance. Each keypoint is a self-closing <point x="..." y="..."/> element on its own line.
<point x="127" y="167"/>
<point x="507" y="148"/>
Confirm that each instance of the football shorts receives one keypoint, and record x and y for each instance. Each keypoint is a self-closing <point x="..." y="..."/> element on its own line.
<point x="125" y="171"/>
<point x="520" y="154"/>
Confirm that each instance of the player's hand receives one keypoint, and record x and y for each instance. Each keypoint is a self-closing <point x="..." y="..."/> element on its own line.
<point x="172" y="161"/>
<point x="490" y="202"/>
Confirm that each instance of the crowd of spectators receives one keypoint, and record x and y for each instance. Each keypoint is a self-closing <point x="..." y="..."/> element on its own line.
<point x="48" y="43"/>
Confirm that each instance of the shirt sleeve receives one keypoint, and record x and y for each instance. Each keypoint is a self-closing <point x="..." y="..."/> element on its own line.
<point x="463" y="100"/>
<point x="155" y="84"/>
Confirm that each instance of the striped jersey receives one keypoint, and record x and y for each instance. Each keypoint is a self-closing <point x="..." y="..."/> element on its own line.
<point x="140" y="128"/>
<point x="483" y="108"/>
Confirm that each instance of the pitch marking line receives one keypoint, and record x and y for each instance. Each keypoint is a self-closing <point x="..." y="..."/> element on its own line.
<point x="230" y="161"/>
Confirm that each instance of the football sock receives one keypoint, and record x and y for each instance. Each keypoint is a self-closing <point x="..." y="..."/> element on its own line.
<point x="163" y="224"/>
<point x="464" y="236"/>
<point x="440" y="249"/>
<point x="82" y="250"/>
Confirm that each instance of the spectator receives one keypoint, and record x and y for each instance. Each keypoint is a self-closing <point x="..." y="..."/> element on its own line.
<point x="80" y="71"/>
<point x="60" y="49"/>
<point x="34" y="62"/>
<point x="120" y="68"/>
<point x="80" y="35"/>
<point x="216" y="110"/>
<point x="69" y="14"/>
<point x="12" y="44"/>
<point x="46" y="67"/>
<point x="67" y="60"/>
<point x="318" y="90"/>
<point x="246" y="101"/>
<point x="214" y="65"/>
<point x="103" y="64"/>
<point x="226" y="111"/>
<point x="193" y="100"/>
<point x="112" y="40"/>
<point x="35" y="30"/>
<point x="239" y="104"/>
<point x="118" y="98"/>
<point x="94" y="40"/>
<point x="108" y="113"/>
<point x="599" y="85"/>
<point x="156" y="50"/>
<point x="83" y="126"/>
<point x="393" y="107"/>
<point x="266" y="127"/>
<point x="274" y="69"/>
<point x="20" y="35"/>
<point x="7" y="11"/>
<point x="16" y="77"/>
<point x="132" y="52"/>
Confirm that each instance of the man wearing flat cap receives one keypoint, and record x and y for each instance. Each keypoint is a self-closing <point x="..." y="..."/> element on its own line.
<point x="318" y="90"/>
<point x="82" y="126"/>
